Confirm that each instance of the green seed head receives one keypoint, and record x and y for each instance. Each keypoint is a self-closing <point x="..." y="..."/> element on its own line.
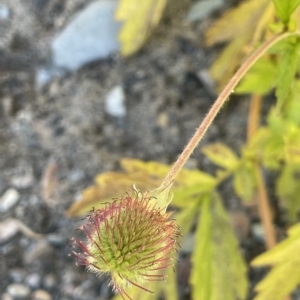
<point x="130" y="239"/>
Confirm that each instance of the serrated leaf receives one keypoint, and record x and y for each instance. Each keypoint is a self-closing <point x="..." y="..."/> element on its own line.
<point x="260" y="79"/>
<point x="288" y="189"/>
<point x="218" y="269"/>
<point x="285" y="8"/>
<point x="240" y="25"/>
<point x="244" y="182"/>
<point x="139" y="17"/>
<point x="286" y="73"/>
<point x="229" y="26"/>
<point x="221" y="155"/>
<point x="146" y="176"/>
<point x="285" y="274"/>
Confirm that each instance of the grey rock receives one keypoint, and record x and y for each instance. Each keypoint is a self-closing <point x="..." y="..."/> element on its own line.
<point x="202" y="9"/>
<point x="91" y="35"/>
<point x="114" y="102"/>
<point x="9" y="199"/>
<point x="33" y="280"/>
<point x="18" y="291"/>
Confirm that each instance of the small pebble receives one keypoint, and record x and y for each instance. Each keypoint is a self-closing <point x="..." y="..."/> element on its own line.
<point x="17" y="275"/>
<point x="33" y="280"/>
<point x="55" y="239"/>
<point x="8" y="229"/>
<point x="114" y="102"/>
<point x="202" y="9"/>
<point x="22" y="181"/>
<point x="9" y="199"/>
<point x="41" y="250"/>
<point x="258" y="232"/>
<point x="49" y="281"/>
<point x="18" y="290"/>
<point x="41" y="295"/>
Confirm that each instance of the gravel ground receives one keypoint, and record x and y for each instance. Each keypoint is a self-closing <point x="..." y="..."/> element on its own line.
<point x="54" y="140"/>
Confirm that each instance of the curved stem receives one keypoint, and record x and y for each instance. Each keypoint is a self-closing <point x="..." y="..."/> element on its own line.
<point x="229" y="88"/>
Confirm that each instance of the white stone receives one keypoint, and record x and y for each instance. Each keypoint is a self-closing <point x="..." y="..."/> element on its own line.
<point x="17" y="290"/>
<point x="114" y="102"/>
<point x="202" y="9"/>
<point x="9" y="199"/>
<point x="91" y="35"/>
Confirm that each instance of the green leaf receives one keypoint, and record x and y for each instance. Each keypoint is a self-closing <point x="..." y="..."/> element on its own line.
<point x="286" y="72"/>
<point x="285" y="8"/>
<point x="221" y="155"/>
<point x="244" y="182"/>
<point x="186" y="217"/>
<point x="288" y="189"/>
<point x="219" y="271"/>
<point x="260" y="79"/>
<point x="170" y="287"/>
<point x="285" y="274"/>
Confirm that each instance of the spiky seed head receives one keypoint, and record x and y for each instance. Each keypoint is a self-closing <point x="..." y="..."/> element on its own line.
<point x="129" y="238"/>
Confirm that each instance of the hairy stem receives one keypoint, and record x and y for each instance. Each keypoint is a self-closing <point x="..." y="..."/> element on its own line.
<point x="229" y="88"/>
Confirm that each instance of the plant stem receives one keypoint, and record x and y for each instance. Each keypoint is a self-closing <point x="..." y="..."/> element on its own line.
<point x="254" y="115"/>
<point x="264" y="209"/>
<point x="229" y="88"/>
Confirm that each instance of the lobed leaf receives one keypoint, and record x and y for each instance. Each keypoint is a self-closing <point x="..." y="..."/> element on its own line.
<point x="189" y="185"/>
<point x="221" y="155"/>
<point x="219" y="271"/>
<point x="139" y="17"/>
<point x="288" y="189"/>
<point x="260" y="79"/>
<point x="285" y="8"/>
<point x="285" y="274"/>
<point x="286" y="72"/>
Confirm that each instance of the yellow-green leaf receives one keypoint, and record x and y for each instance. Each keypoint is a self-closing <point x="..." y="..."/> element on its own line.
<point x="229" y="26"/>
<point x="285" y="8"/>
<point x="245" y="23"/>
<point x="244" y="182"/>
<point x="285" y="274"/>
<point x="260" y="79"/>
<point x="139" y="18"/>
<point x="286" y="72"/>
<point x="288" y="189"/>
<point x="219" y="271"/>
<point x="221" y="155"/>
<point x="146" y="176"/>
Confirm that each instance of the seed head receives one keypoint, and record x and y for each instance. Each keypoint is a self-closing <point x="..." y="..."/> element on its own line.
<point x="129" y="238"/>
